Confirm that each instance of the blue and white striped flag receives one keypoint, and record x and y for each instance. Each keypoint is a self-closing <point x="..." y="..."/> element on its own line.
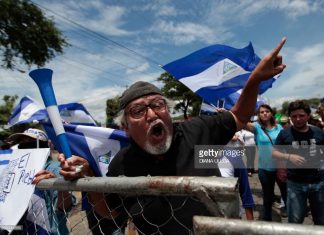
<point x="29" y="110"/>
<point x="98" y="145"/>
<point x="229" y="101"/>
<point x="37" y="216"/>
<point x="208" y="109"/>
<point x="217" y="71"/>
<point x="226" y="103"/>
<point x="76" y="113"/>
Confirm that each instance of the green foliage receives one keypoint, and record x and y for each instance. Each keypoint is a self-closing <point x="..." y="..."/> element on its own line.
<point x="284" y="107"/>
<point x="112" y="108"/>
<point x="27" y="35"/>
<point x="5" y="113"/>
<point x="6" y="108"/>
<point x="313" y="102"/>
<point x="186" y="100"/>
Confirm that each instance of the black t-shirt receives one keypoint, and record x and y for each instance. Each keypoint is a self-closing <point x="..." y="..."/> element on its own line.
<point x="153" y="214"/>
<point x="306" y="144"/>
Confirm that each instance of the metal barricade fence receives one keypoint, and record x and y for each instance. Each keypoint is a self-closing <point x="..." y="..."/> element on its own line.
<point x="219" y="197"/>
<point x="210" y="225"/>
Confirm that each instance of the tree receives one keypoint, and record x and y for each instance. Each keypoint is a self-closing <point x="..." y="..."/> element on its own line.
<point x="284" y="107"/>
<point x="6" y="109"/>
<point x="186" y="100"/>
<point x="112" y="108"/>
<point x="27" y="35"/>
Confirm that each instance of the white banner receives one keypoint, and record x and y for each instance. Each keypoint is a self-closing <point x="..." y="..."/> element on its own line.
<point x="17" y="170"/>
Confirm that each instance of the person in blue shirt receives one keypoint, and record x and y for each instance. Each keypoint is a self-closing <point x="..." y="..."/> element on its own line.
<point x="266" y="131"/>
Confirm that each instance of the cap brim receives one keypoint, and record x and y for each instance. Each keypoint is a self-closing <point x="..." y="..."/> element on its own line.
<point x="15" y="137"/>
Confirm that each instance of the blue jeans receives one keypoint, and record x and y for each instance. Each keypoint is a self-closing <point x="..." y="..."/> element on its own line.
<point x="298" y="193"/>
<point x="267" y="179"/>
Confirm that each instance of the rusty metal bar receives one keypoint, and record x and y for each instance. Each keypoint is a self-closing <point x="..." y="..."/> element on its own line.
<point x="179" y="186"/>
<point x="203" y="225"/>
<point x="220" y="195"/>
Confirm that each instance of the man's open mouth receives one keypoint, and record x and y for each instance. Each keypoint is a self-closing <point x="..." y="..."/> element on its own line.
<point x="157" y="130"/>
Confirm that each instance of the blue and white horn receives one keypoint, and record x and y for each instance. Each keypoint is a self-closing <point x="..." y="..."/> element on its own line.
<point x="43" y="79"/>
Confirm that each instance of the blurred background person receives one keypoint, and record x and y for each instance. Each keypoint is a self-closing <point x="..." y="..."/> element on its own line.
<point x="250" y="150"/>
<point x="316" y="120"/>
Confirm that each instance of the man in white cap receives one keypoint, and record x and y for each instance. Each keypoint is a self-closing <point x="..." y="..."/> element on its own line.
<point x="29" y="139"/>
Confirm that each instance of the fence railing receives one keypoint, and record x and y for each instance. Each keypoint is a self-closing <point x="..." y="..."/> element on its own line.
<point x="210" y="225"/>
<point x="218" y="196"/>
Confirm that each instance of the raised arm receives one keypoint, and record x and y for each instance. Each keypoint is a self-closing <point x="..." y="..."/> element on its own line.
<point x="268" y="67"/>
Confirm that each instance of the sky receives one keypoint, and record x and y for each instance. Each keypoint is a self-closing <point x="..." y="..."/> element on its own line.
<point x="114" y="43"/>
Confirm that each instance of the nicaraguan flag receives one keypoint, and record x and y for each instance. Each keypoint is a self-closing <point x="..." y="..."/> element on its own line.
<point x="217" y="71"/>
<point x="76" y="113"/>
<point x="229" y="101"/>
<point x="226" y="103"/>
<point x="29" y="110"/>
<point x="206" y="108"/>
<point x="98" y="145"/>
<point x="37" y="217"/>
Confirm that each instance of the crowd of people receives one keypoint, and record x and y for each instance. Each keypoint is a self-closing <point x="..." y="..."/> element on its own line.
<point x="159" y="147"/>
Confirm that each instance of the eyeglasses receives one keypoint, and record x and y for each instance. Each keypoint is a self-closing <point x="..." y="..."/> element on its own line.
<point x="139" y="110"/>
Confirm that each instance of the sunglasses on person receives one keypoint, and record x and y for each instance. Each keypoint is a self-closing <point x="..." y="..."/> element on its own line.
<point x="139" y="110"/>
<point x="30" y="143"/>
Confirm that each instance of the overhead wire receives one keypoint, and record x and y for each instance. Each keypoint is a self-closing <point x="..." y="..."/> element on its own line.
<point x="84" y="31"/>
<point x="103" y="37"/>
<point x="111" y="60"/>
<point x="24" y="85"/>
<point x="95" y="68"/>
